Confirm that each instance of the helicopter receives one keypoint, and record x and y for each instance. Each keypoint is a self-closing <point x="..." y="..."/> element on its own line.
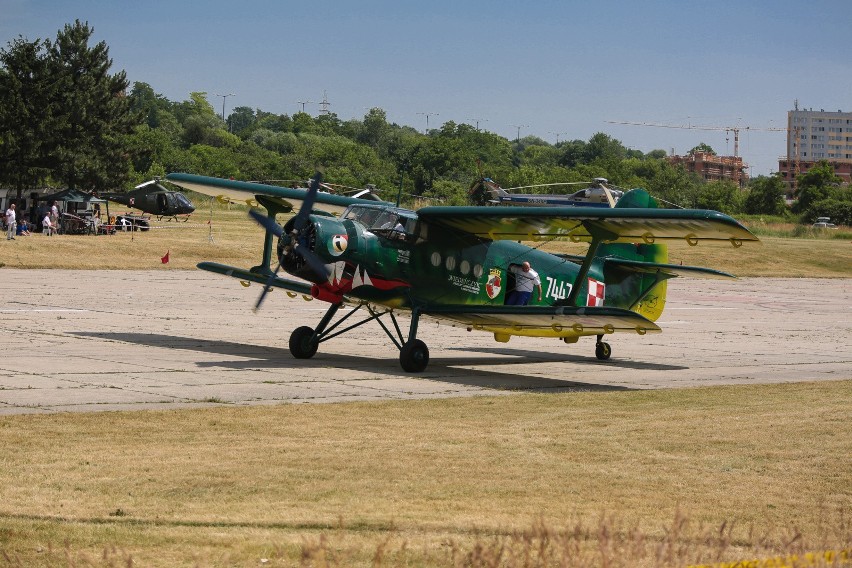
<point x="485" y="191"/>
<point x="154" y="199"/>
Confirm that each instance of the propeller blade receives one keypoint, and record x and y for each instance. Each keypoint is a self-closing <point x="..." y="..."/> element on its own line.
<point x="308" y="203"/>
<point x="315" y="262"/>
<point x="267" y="287"/>
<point x="267" y="222"/>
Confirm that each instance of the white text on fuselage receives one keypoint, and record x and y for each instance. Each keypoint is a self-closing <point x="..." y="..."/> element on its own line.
<point x="556" y="289"/>
<point x="466" y="284"/>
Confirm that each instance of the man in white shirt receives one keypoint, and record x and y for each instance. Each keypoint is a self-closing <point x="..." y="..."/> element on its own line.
<point x="525" y="280"/>
<point x="47" y="226"/>
<point x="11" y="223"/>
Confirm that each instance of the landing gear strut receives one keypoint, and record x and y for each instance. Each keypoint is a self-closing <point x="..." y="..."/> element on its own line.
<point x="413" y="353"/>
<point x="602" y="349"/>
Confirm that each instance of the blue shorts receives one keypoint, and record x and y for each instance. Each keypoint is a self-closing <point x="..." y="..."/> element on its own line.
<point x="517" y="298"/>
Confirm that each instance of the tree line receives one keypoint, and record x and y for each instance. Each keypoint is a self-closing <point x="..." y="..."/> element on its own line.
<point x="67" y="121"/>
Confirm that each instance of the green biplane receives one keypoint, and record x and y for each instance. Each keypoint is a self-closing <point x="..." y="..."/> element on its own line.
<point x="452" y="263"/>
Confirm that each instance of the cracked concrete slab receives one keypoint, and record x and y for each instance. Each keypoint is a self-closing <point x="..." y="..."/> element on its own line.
<point x="85" y="341"/>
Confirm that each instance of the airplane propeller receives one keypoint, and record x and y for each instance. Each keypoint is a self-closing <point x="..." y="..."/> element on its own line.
<point x="300" y="223"/>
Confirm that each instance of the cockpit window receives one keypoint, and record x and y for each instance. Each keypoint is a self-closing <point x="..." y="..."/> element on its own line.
<point x="382" y="220"/>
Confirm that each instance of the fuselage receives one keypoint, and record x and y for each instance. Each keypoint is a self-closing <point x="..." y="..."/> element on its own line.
<point x="165" y="203"/>
<point x="387" y="255"/>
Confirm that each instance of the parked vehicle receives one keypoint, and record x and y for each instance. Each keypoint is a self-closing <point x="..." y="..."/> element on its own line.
<point x="824" y="223"/>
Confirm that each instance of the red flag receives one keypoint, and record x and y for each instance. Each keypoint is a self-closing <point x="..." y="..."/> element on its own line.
<point x="165" y="259"/>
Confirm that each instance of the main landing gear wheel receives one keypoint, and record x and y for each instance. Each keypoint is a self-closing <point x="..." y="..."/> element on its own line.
<point x="303" y="345"/>
<point x="602" y="350"/>
<point x="414" y="356"/>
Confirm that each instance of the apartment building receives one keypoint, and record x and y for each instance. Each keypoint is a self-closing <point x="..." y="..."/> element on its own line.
<point x="815" y="135"/>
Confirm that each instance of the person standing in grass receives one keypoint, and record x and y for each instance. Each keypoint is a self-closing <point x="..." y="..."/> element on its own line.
<point x="11" y="224"/>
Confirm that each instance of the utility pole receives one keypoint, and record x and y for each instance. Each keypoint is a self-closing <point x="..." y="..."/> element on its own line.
<point x="477" y="121"/>
<point x="519" y="126"/>
<point x="324" y="104"/>
<point x="223" y="103"/>
<point x="428" y="114"/>
<point x="557" y="136"/>
<point x="303" y="103"/>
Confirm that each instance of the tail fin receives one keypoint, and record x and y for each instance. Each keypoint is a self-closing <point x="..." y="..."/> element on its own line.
<point x="485" y="191"/>
<point x="637" y="288"/>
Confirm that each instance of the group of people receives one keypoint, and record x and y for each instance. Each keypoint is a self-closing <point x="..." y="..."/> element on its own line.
<point x="20" y="227"/>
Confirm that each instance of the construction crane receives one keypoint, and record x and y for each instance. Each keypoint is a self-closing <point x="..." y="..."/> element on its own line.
<point x="727" y="129"/>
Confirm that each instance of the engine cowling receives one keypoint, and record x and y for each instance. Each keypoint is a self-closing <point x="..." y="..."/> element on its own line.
<point x="325" y="237"/>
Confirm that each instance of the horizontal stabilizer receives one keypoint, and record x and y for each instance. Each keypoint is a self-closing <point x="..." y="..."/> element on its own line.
<point x="671" y="270"/>
<point x="249" y="276"/>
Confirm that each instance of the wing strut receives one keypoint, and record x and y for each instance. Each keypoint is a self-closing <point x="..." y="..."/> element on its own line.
<point x="272" y="209"/>
<point x="599" y="235"/>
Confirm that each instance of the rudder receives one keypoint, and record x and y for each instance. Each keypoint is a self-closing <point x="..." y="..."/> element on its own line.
<point x="642" y="291"/>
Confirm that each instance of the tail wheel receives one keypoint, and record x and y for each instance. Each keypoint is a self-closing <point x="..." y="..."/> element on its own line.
<point x="414" y="356"/>
<point x="303" y="344"/>
<point x="602" y="350"/>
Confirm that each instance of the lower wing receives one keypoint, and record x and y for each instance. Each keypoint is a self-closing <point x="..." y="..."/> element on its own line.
<point x="545" y="321"/>
<point x="249" y="276"/>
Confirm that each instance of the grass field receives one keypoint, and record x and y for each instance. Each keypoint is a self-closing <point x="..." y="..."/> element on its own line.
<point x="651" y="478"/>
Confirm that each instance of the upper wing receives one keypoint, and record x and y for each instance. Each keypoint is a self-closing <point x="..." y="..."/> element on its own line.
<point x="246" y="192"/>
<point x="627" y="225"/>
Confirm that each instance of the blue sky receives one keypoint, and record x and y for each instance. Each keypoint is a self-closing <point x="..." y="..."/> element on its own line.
<point x="552" y="68"/>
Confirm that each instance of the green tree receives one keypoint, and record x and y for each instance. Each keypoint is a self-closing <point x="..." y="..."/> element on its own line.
<point x="604" y="147"/>
<point x="375" y="128"/>
<point x="241" y="119"/>
<point x="705" y="148"/>
<point x="92" y="119"/>
<point x="766" y="196"/>
<point x="817" y="184"/>
<point x="200" y="121"/>
<point x="572" y="153"/>
<point x="675" y="185"/>
<point x="722" y="195"/>
<point x="27" y="92"/>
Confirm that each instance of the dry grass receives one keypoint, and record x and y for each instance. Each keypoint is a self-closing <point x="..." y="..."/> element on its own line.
<point x="237" y="240"/>
<point x="661" y="478"/>
<point x="651" y="478"/>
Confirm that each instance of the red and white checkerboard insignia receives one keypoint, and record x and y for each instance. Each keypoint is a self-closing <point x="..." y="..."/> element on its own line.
<point x="597" y="290"/>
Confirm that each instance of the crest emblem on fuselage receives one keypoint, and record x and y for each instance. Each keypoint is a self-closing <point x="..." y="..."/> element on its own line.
<point x="494" y="284"/>
<point x="338" y="244"/>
